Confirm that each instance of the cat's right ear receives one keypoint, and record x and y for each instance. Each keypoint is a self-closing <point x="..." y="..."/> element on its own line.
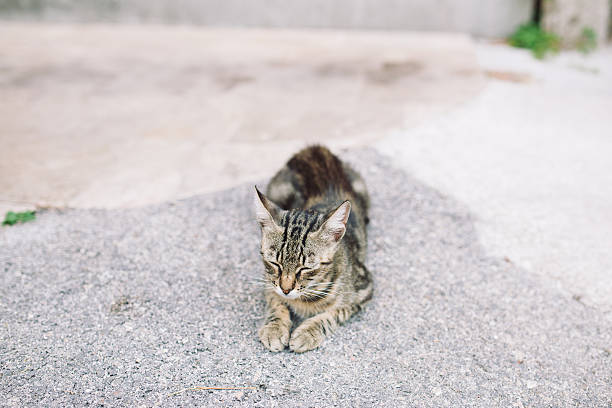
<point x="266" y="211"/>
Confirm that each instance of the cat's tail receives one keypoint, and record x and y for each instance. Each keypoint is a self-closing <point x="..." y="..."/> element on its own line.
<point x="317" y="172"/>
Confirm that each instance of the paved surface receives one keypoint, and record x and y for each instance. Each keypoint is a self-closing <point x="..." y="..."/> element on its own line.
<point x="115" y="116"/>
<point x="125" y="307"/>
<point x="530" y="157"/>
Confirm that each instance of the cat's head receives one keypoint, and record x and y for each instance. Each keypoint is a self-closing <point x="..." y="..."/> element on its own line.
<point x="298" y="246"/>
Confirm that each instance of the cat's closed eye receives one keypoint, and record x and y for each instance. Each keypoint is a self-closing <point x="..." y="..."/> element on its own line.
<point x="306" y="272"/>
<point x="298" y="272"/>
<point x="273" y="267"/>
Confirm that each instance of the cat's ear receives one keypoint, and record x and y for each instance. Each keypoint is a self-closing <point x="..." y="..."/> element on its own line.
<point x="334" y="227"/>
<point x="265" y="210"/>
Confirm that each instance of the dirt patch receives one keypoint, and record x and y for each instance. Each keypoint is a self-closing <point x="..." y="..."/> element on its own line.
<point x="44" y="74"/>
<point x="122" y="304"/>
<point x="230" y="81"/>
<point x="386" y="73"/>
<point x="391" y="72"/>
<point x="508" y="76"/>
<point x="343" y="69"/>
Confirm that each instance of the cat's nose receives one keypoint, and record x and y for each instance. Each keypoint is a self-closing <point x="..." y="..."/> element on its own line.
<point x="286" y="283"/>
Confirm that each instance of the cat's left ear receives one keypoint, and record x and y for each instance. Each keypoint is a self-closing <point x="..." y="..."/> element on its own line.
<point x="334" y="227"/>
<point x="265" y="210"/>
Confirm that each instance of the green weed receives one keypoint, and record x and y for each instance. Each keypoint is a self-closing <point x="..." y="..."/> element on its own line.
<point x="587" y="41"/>
<point x="13" y="218"/>
<point x="532" y="37"/>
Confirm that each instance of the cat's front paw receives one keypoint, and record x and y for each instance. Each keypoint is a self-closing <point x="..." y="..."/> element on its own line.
<point x="306" y="337"/>
<point x="274" y="336"/>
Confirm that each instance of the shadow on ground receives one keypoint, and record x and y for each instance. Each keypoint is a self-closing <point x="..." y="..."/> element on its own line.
<point x="131" y="306"/>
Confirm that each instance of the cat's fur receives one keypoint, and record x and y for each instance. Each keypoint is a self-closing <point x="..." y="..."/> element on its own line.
<point x="313" y="248"/>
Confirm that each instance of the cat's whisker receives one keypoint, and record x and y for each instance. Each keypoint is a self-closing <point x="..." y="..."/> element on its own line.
<point x="316" y="290"/>
<point x="313" y="295"/>
<point x="320" y="294"/>
<point x="322" y="287"/>
<point x="258" y="281"/>
<point x="261" y="283"/>
<point x="321" y="284"/>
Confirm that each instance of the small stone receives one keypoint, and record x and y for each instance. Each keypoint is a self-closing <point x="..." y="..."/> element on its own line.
<point x="531" y="384"/>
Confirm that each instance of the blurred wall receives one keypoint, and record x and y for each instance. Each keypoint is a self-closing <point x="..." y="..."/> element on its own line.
<point x="569" y="19"/>
<point x="489" y="18"/>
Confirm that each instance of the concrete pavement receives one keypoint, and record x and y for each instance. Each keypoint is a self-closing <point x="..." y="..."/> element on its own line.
<point x="114" y="116"/>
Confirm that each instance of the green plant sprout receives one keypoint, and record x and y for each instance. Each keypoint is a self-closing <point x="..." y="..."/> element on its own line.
<point x="587" y="41"/>
<point x="12" y="218"/>
<point x="532" y="37"/>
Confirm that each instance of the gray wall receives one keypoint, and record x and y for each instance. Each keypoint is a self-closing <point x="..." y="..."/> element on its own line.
<point x="568" y="19"/>
<point x="491" y="18"/>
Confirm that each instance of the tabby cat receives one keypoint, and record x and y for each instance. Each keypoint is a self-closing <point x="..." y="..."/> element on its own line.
<point x="313" y="245"/>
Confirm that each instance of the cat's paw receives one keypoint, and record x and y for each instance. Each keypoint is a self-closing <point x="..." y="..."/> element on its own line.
<point x="274" y="336"/>
<point x="307" y="336"/>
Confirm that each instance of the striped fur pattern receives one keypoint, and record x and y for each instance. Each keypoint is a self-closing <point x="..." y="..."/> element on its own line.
<point x="313" y="246"/>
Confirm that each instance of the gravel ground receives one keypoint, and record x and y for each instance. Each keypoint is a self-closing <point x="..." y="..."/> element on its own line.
<point x="126" y="307"/>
